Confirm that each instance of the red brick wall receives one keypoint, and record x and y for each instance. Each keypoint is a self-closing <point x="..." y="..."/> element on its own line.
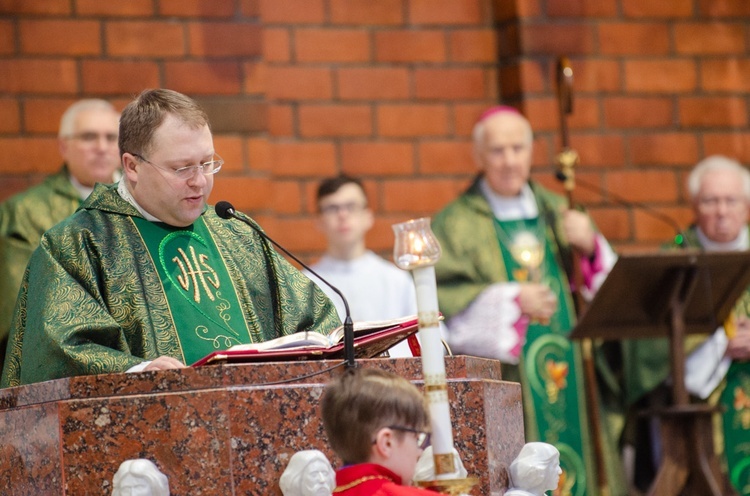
<point x="388" y="90"/>
<point x="658" y="86"/>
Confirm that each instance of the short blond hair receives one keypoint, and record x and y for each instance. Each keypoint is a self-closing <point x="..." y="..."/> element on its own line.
<point x="142" y="116"/>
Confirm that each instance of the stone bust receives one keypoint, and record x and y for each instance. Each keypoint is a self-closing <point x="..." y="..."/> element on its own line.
<point x="139" y="477"/>
<point x="535" y="470"/>
<point x="309" y="473"/>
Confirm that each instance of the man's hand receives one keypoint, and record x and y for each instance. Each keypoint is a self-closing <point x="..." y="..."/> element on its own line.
<point x="579" y="232"/>
<point x="164" y="363"/>
<point x="738" y="347"/>
<point x="537" y="301"/>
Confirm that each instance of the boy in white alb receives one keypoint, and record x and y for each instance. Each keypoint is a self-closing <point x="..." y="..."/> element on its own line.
<point x="374" y="288"/>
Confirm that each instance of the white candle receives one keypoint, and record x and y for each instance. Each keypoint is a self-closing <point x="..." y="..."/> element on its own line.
<point x="416" y="249"/>
<point x="433" y="372"/>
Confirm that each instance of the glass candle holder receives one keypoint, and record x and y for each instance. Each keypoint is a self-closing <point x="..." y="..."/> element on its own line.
<point x="415" y="245"/>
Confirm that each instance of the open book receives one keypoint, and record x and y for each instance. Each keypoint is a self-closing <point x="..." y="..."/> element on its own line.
<point x="371" y="338"/>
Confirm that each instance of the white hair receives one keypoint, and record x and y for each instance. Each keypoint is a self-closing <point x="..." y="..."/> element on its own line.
<point x="477" y="132"/>
<point x="144" y="469"/>
<point x="291" y="480"/>
<point x="68" y="119"/>
<point x="717" y="163"/>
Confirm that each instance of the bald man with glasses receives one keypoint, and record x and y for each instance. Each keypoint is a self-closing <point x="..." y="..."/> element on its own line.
<point x="87" y="140"/>
<point x="145" y="276"/>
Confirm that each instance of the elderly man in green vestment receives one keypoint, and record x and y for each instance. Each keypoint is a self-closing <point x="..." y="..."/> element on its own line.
<point x="87" y="139"/>
<point x="146" y="277"/>
<point x="716" y="369"/>
<point x="503" y="286"/>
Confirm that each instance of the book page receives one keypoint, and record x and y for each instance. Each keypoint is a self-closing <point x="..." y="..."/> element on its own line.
<point x="364" y="327"/>
<point x="308" y="339"/>
<point x="371" y="339"/>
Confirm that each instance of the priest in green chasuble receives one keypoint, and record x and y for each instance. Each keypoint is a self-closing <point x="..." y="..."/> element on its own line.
<point x="87" y="140"/>
<point x="503" y="286"/>
<point x="144" y="276"/>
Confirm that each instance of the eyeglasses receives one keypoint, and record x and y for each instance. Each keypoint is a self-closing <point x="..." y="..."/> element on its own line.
<point x="349" y="208"/>
<point x="423" y="437"/>
<point x="89" y="138"/>
<point x="711" y="203"/>
<point x="187" y="172"/>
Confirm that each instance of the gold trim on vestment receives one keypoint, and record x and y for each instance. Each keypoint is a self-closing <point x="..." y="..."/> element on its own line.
<point x="353" y="483"/>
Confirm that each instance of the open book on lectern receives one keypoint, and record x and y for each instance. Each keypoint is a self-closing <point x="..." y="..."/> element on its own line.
<point x="371" y="338"/>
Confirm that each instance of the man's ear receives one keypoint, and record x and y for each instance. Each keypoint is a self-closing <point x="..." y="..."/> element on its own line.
<point x="369" y="218"/>
<point x="319" y="223"/>
<point x="383" y="447"/>
<point x="62" y="147"/>
<point x="129" y="163"/>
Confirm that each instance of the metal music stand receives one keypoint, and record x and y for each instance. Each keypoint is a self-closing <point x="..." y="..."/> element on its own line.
<point x="673" y="294"/>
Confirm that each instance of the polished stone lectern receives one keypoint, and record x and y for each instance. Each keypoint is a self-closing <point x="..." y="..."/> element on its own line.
<point x="223" y="429"/>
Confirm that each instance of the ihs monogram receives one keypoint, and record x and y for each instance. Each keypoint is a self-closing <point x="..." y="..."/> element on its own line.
<point x="195" y="269"/>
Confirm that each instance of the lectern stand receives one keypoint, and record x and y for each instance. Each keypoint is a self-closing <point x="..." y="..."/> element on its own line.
<point x="673" y="294"/>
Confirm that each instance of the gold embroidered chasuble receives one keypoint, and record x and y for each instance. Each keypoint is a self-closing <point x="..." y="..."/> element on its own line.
<point x="93" y="301"/>
<point x="472" y="260"/>
<point x="23" y="219"/>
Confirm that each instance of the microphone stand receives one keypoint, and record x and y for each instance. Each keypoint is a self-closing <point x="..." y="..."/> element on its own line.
<point x="225" y="210"/>
<point x="680" y="239"/>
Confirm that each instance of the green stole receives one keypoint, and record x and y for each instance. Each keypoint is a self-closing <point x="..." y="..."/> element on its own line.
<point x="553" y="388"/>
<point x="735" y="402"/>
<point x="202" y="299"/>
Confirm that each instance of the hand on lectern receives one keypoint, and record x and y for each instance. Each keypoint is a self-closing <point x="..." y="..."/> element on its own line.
<point x="164" y="363"/>
<point x="537" y="301"/>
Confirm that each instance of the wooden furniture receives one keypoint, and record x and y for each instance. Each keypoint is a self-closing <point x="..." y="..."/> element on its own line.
<point x="673" y="294"/>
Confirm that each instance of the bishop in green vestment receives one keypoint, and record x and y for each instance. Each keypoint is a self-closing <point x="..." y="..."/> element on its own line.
<point x="88" y="145"/>
<point x="146" y="277"/>
<point x="717" y="368"/>
<point x="502" y="284"/>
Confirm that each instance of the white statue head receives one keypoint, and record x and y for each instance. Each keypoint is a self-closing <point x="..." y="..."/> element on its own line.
<point x="309" y="473"/>
<point x="536" y="469"/>
<point x="139" y="477"/>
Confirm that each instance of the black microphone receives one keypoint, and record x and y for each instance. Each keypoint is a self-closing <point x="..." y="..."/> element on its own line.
<point x="225" y="210"/>
<point x="679" y="238"/>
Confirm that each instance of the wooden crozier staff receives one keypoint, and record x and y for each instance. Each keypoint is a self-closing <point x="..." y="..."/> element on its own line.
<point x="567" y="160"/>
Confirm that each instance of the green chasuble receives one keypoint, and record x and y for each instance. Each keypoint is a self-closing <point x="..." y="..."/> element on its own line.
<point x="734" y="398"/>
<point x="199" y="291"/>
<point x="95" y="299"/>
<point x="551" y="371"/>
<point x="23" y="219"/>
<point x="476" y="255"/>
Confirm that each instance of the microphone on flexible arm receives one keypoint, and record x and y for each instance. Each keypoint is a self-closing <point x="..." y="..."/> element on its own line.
<point x="679" y="238"/>
<point x="225" y="210"/>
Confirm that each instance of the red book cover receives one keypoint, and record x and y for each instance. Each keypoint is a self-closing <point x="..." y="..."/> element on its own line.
<point x="371" y="338"/>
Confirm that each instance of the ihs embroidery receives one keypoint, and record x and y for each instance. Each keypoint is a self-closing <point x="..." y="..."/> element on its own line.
<point x="194" y="268"/>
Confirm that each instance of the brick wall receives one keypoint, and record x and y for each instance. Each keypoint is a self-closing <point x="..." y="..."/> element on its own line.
<point x="388" y="90"/>
<point x="659" y="85"/>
